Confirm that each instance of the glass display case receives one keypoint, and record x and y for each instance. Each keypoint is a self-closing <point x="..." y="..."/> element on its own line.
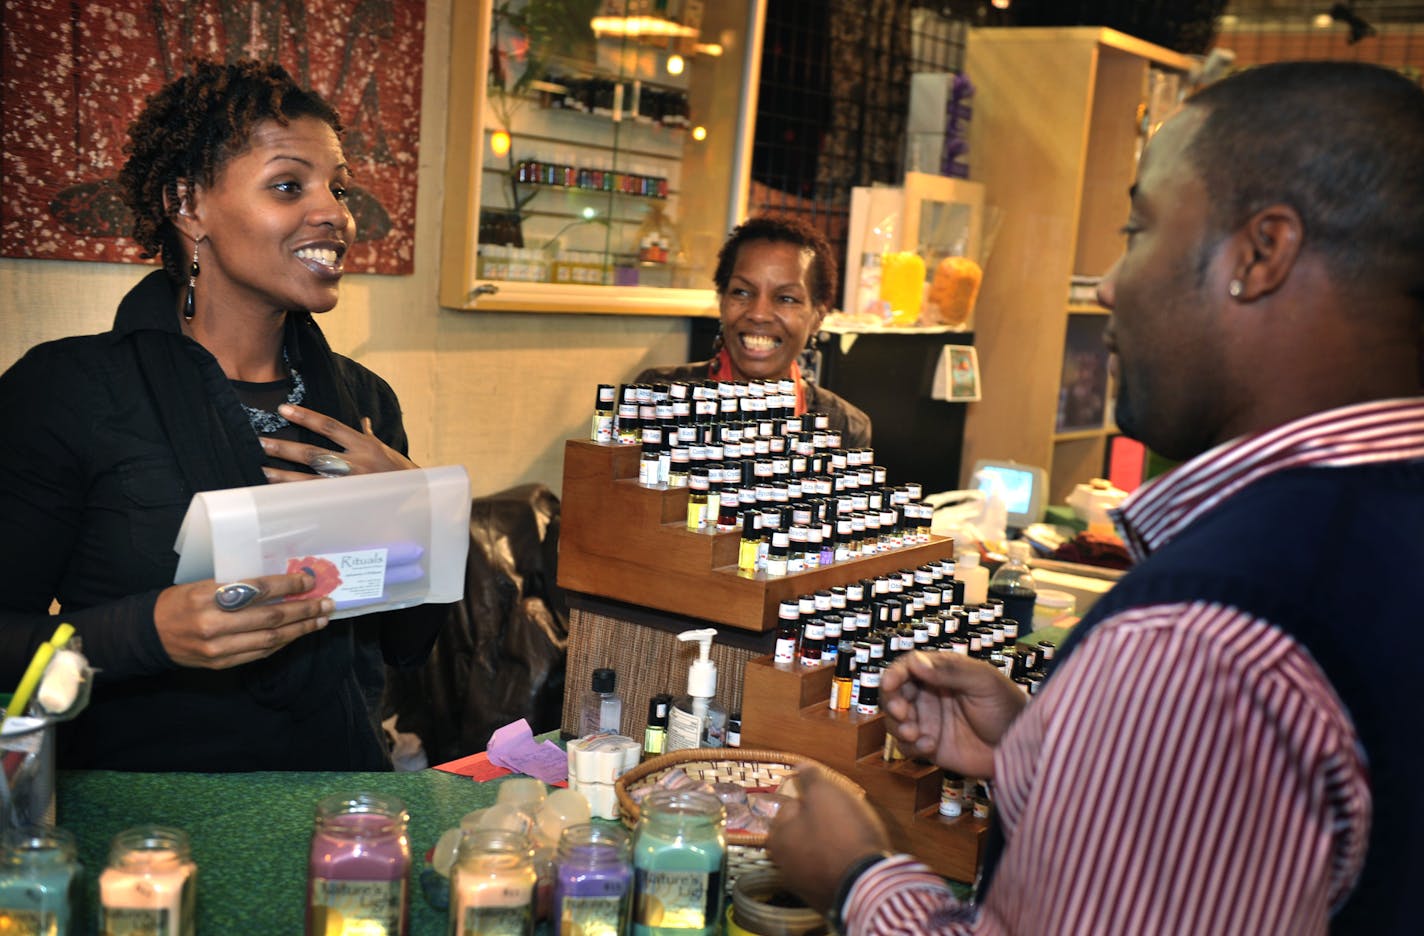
<point x="598" y="152"/>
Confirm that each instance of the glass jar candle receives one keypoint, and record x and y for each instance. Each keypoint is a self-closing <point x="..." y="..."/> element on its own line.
<point x="593" y="884"/>
<point x="492" y="884"/>
<point x="359" y="867"/>
<point x="37" y="874"/>
<point x="150" y="885"/>
<point x="679" y="864"/>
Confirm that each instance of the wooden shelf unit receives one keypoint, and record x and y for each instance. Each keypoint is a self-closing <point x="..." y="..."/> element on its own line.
<point x="1053" y="139"/>
<point x="784" y="707"/>
<point x="621" y="540"/>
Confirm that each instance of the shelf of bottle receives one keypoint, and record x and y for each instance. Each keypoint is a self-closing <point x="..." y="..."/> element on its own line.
<point x="585" y="145"/>
<point x="1087" y="308"/>
<point x="573" y="189"/>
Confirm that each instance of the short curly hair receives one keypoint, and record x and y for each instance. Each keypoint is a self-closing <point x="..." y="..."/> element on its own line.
<point x="192" y="126"/>
<point x="782" y="229"/>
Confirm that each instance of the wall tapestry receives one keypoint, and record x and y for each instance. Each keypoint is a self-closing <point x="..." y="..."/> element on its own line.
<point x="76" y="72"/>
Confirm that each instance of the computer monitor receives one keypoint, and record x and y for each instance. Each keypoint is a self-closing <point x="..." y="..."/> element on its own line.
<point x="1023" y="488"/>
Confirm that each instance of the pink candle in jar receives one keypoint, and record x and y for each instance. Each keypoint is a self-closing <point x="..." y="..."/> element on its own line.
<point x="150" y="885"/>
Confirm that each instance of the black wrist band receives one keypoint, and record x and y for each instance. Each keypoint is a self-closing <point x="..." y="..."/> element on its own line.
<point x="854" y="873"/>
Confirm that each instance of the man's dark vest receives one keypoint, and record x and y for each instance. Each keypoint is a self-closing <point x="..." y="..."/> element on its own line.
<point x="1335" y="557"/>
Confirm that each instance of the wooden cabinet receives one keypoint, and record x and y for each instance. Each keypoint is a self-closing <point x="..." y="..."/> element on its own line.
<point x="1058" y="120"/>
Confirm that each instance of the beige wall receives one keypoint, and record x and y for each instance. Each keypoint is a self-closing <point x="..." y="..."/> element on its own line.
<point x="496" y="392"/>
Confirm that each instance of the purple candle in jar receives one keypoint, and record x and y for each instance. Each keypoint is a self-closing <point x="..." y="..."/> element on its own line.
<point x="593" y="881"/>
<point x="357" y="876"/>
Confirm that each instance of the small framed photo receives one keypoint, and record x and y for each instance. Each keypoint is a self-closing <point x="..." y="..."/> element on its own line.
<point x="963" y="373"/>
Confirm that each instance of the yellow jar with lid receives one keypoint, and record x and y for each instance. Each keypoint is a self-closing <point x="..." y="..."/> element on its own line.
<point x="902" y="285"/>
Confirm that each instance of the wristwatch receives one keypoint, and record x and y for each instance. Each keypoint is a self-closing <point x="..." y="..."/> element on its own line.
<point x="853" y="873"/>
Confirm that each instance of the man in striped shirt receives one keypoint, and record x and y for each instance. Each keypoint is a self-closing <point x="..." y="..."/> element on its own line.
<point x="1225" y="744"/>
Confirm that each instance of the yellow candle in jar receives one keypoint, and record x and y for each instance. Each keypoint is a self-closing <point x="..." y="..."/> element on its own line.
<point x="902" y="285"/>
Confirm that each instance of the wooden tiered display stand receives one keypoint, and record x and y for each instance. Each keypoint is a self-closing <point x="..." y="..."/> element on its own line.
<point x="621" y="540"/>
<point x="627" y="542"/>
<point x="785" y="706"/>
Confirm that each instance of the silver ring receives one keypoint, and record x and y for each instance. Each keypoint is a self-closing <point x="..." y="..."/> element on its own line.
<point x="330" y="466"/>
<point x="236" y="596"/>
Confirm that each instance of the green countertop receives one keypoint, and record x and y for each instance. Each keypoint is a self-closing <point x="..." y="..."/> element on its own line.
<point x="251" y="833"/>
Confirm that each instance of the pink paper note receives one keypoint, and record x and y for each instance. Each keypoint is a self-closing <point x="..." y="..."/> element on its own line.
<point x="514" y="748"/>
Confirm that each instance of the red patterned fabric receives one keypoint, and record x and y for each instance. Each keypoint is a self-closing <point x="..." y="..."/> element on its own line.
<point x="76" y="75"/>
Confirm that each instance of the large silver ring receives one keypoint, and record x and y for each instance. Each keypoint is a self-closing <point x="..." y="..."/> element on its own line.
<point x="236" y="595"/>
<point x="330" y="466"/>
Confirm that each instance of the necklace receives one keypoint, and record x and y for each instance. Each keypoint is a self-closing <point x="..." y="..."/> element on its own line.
<point x="263" y="421"/>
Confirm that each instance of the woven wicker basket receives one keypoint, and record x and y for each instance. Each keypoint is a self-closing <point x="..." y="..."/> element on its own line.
<point x="749" y="768"/>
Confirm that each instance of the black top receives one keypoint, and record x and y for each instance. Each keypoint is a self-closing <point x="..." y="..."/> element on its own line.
<point x="107" y="439"/>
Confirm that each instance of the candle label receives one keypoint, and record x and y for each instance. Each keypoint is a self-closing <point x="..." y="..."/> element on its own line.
<point x="22" y="922"/>
<point x="357" y="905"/>
<point x="593" y="916"/>
<point x="138" y="921"/>
<point x="497" y="921"/>
<point x="678" y="899"/>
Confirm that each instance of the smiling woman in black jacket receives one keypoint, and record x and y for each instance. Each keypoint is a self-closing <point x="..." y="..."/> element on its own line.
<point x="215" y="375"/>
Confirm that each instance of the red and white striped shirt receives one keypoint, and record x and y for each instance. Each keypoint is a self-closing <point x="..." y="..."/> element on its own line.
<point x="1189" y="769"/>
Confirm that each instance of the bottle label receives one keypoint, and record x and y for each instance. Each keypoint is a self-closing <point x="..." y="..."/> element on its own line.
<point x="602" y="430"/>
<point x="678" y="899"/>
<point x="595" y="915"/>
<point x="357" y="905"/>
<point x="494" y="921"/>
<point x="135" y="921"/>
<point x="684" y="730"/>
<point x="785" y="650"/>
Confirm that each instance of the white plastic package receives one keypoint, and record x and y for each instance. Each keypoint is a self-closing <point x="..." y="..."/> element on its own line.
<point x="374" y="542"/>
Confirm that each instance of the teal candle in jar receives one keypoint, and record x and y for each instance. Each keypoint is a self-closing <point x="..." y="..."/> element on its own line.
<point x="37" y="874"/>
<point x="679" y="863"/>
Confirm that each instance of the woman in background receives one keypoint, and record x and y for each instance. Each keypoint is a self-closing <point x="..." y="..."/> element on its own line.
<point x="775" y="280"/>
<point x="215" y="375"/>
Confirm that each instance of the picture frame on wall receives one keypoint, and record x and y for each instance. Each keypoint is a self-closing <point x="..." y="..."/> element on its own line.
<point x="1083" y="386"/>
<point x="962" y="365"/>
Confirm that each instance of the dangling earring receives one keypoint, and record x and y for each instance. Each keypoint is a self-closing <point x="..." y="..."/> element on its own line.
<point x="718" y="341"/>
<point x="189" y="307"/>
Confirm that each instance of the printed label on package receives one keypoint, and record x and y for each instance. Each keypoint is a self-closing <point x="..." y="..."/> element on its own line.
<point x="350" y="576"/>
<point x="678" y="899"/>
<point x="357" y="906"/>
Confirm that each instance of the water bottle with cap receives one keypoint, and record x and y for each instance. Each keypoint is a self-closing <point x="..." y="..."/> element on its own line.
<point x="1013" y="584"/>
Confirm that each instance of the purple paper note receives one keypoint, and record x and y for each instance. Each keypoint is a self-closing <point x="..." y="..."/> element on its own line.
<point x="514" y="748"/>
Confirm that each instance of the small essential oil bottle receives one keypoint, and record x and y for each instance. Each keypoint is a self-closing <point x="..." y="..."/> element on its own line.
<point x="697" y="485"/>
<point x="150" y="885"/>
<point x="605" y="409"/>
<point x="788" y="632"/>
<point x="843" y="682"/>
<point x="38" y="872"/>
<point x="655" y="734"/>
<point x="869" y="701"/>
<point x="358" y="869"/>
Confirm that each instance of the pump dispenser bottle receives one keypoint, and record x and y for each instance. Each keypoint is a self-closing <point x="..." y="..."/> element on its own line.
<point x="696" y="720"/>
